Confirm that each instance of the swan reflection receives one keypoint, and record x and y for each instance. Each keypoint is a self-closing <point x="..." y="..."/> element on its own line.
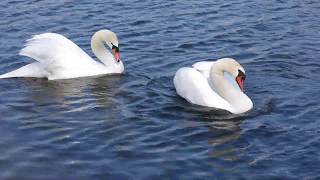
<point x="67" y="92"/>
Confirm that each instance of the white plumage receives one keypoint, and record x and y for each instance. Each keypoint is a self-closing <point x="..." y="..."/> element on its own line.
<point x="59" y="58"/>
<point x="212" y="84"/>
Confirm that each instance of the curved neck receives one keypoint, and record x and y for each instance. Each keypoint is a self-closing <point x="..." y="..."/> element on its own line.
<point x="237" y="99"/>
<point x="99" y="49"/>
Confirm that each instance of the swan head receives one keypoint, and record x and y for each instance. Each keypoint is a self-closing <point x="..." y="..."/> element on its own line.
<point x="116" y="52"/>
<point x="111" y="40"/>
<point x="235" y="69"/>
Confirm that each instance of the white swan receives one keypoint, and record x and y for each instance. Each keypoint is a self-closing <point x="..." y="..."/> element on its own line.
<point x="209" y="84"/>
<point x="59" y="58"/>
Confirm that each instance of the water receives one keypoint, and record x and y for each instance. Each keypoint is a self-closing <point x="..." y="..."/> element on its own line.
<point x="134" y="126"/>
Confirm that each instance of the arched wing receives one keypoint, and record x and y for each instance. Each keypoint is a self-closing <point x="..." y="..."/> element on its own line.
<point x="55" y="52"/>
<point x="193" y="86"/>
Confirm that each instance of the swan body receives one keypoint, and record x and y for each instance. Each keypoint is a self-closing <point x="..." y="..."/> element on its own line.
<point x="59" y="58"/>
<point x="217" y="84"/>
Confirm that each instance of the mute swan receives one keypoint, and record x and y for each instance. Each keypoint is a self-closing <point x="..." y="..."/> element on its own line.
<point x="59" y="58"/>
<point x="209" y="84"/>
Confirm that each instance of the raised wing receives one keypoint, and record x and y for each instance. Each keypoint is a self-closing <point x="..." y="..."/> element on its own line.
<point x="55" y="52"/>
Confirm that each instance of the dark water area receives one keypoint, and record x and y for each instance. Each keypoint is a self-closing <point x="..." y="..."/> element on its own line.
<point x="134" y="126"/>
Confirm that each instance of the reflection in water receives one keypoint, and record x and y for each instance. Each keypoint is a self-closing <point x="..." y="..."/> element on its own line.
<point x="224" y="130"/>
<point x="224" y="133"/>
<point x="71" y="90"/>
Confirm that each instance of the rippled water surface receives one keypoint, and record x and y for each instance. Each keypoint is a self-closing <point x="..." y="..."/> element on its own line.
<point x="134" y="126"/>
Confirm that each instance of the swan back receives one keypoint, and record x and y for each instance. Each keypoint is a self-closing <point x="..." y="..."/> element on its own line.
<point x="194" y="87"/>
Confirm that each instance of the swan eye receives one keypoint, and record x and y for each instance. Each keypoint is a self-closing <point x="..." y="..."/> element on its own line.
<point x="241" y="74"/>
<point x="115" y="47"/>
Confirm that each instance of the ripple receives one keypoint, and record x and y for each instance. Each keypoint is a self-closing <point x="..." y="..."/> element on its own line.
<point x="135" y="126"/>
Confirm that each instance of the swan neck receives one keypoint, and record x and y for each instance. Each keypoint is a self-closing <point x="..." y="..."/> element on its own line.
<point x="226" y="90"/>
<point x="99" y="49"/>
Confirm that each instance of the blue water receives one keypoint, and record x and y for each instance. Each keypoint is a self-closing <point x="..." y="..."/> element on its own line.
<point x="134" y="126"/>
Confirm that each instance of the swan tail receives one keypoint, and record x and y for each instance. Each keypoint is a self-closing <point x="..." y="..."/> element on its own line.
<point x="31" y="70"/>
<point x="4" y="76"/>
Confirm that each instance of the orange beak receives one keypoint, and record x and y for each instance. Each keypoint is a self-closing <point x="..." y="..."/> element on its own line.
<point x="240" y="80"/>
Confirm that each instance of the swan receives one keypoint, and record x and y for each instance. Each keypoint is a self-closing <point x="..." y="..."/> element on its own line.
<point x="57" y="57"/>
<point x="218" y="84"/>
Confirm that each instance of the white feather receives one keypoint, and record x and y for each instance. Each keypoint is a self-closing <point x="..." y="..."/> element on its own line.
<point x="60" y="58"/>
<point x="211" y="84"/>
